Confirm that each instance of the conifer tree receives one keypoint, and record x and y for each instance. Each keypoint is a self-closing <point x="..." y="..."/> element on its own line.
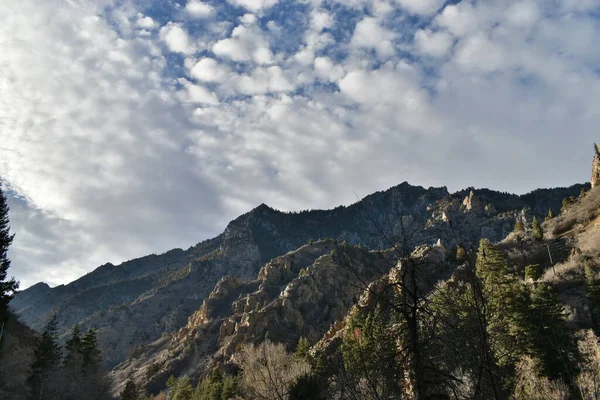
<point x="90" y="354"/>
<point x="549" y="336"/>
<point x="183" y="390"/>
<point x="538" y="234"/>
<point x="47" y="358"/>
<point x="550" y="215"/>
<point x="7" y="286"/>
<point x="519" y="226"/>
<point x="73" y="348"/>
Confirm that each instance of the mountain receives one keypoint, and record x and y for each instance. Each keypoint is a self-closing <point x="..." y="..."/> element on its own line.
<point x="146" y="299"/>
<point x="315" y="290"/>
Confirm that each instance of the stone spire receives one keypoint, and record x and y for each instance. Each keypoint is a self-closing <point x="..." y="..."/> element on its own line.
<point x="595" y="180"/>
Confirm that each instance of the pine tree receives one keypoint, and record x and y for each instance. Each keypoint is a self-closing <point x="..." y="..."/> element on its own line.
<point x="538" y="234"/>
<point x="90" y="354"/>
<point x="130" y="392"/>
<point x="550" y="215"/>
<point x="519" y="226"/>
<point x="183" y="390"/>
<point x="549" y="336"/>
<point x="303" y="349"/>
<point x="73" y="348"/>
<point x="7" y="287"/>
<point x="47" y="358"/>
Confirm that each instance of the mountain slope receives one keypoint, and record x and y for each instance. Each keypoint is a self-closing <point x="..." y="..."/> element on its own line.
<point x="143" y="299"/>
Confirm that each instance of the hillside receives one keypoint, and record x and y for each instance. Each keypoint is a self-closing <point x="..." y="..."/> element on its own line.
<point x="143" y="299"/>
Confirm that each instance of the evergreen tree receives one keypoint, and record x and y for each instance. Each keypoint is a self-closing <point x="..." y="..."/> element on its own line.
<point x="7" y="286"/>
<point x="183" y="390"/>
<point x="73" y="348"/>
<point x="549" y="336"/>
<point x="538" y="234"/>
<point x="519" y="226"/>
<point x="47" y="358"/>
<point x="90" y="354"/>
<point x="130" y="392"/>
<point x="550" y="215"/>
<point x="303" y="349"/>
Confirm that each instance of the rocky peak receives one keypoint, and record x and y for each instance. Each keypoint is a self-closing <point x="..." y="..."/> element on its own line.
<point x="595" y="179"/>
<point x="473" y="203"/>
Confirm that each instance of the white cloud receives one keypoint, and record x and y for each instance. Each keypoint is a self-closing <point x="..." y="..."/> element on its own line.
<point x="435" y="44"/>
<point x="423" y="7"/>
<point x="264" y="80"/>
<point x="176" y="38"/>
<point x="255" y="5"/>
<point x="199" y="9"/>
<point x="209" y="70"/>
<point x="525" y="13"/>
<point x="477" y="52"/>
<point x="246" y="43"/>
<point x="321" y="19"/>
<point x="106" y="139"/>
<point x="371" y="35"/>
<point x="199" y="94"/>
<point x="326" y="69"/>
<point x="145" y="22"/>
<point x="459" y="19"/>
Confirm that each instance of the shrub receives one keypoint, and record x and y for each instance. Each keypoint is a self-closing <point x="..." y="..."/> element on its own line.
<point x="533" y="271"/>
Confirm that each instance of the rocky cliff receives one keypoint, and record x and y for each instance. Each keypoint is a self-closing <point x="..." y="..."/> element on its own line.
<point x="145" y="299"/>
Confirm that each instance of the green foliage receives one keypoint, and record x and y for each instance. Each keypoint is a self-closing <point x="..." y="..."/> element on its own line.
<point x="369" y="354"/>
<point x="73" y="348"/>
<point x="90" y="354"/>
<point x="538" y="234"/>
<point x="303" y="349"/>
<point x="533" y="271"/>
<point x="182" y="390"/>
<point x="548" y="335"/>
<point x="519" y="227"/>
<point x="217" y="386"/>
<point x="7" y="286"/>
<point x="567" y="201"/>
<point x="47" y="357"/>
<point x="550" y="215"/>
<point x="130" y="392"/>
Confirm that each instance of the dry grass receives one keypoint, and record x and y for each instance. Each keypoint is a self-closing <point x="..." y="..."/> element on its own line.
<point x="570" y="270"/>
<point x="576" y="215"/>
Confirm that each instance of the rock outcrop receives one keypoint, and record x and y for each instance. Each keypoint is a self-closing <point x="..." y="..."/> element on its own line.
<point x="595" y="179"/>
<point x="145" y="299"/>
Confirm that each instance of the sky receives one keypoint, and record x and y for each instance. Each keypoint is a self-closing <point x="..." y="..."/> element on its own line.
<point x="130" y="127"/>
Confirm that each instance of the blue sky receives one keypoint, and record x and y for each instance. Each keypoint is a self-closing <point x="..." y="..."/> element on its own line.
<point x="135" y="126"/>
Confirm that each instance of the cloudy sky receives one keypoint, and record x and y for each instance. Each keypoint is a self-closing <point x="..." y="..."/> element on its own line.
<point x="130" y="127"/>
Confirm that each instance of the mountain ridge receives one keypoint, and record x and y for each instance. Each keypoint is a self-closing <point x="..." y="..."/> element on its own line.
<point x="142" y="299"/>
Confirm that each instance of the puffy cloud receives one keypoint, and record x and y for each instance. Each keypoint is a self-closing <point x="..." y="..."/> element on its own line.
<point x="145" y="22"/>
<point x="525" y="13"/>
<point x="110" y="138"/>
<point x="209" y="70"/>
<point x="435" y="44"/>
<point x="255" y="5"/>
<point x="371" y="35"/>
<point x="176" y="38"/>
<point x="199" y="9"/>
<point x="423" y="7"/>
<point x="245" y="44"/>
<point x="326" y="69"/>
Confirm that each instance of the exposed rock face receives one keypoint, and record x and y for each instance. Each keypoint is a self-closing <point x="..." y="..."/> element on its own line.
<point x="595" y="179"/>
<point x="141" y="300"/>
<point x="299" y="294"/>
